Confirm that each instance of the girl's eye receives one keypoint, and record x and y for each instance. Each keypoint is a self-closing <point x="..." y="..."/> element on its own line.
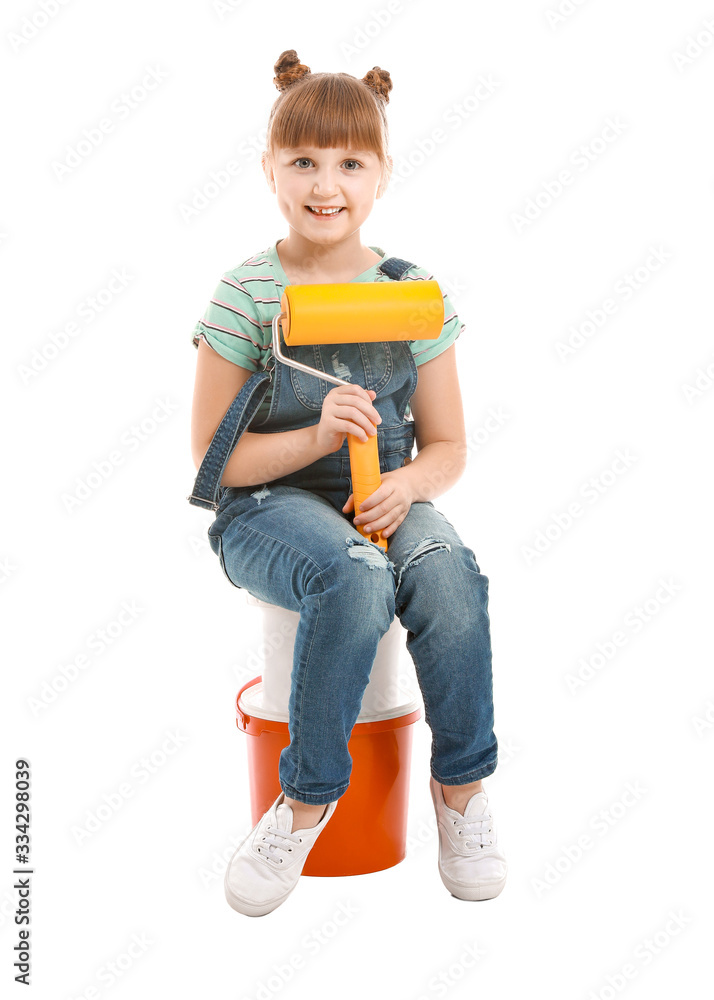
<point x="306" y="159"/>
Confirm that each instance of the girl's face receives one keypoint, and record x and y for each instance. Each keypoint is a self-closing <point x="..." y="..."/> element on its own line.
<point x="308" y="178"/>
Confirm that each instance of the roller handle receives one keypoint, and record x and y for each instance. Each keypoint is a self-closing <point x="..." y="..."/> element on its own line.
<point x="364" y="467"/>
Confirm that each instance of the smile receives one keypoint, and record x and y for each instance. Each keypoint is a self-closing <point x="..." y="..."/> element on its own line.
<point x="324" y="211"/>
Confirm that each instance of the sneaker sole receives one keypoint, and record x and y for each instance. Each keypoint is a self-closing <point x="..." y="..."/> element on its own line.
<point x="253" y="909"/>
<point x="487" y="891"/>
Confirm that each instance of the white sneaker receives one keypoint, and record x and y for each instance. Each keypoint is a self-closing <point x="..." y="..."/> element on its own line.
<point x="471" y="865"/>
<point x="266" y="867"/>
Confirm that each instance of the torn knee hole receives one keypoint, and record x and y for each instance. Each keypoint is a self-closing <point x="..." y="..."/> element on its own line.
<point x="424" y="548"/>
<point x="368" y="553"/>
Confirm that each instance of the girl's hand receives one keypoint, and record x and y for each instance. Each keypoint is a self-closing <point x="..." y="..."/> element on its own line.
<point x="385" y="509"/>
<point x="346" y="409"/>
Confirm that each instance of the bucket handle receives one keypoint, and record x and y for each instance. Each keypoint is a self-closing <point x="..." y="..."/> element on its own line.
<point x="242" y="719"/>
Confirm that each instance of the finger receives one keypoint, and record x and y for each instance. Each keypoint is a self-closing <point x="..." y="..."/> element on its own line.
<point x="348" y="427"/>
<point x="366" y="428"/>
<point x="373" y="415"/>
<point x="390" y="528"/>
<point x="376" y="524"/>
<point x="374" y="518"/>
<point x="368" y="507"/>
<point x="378" y="519"/>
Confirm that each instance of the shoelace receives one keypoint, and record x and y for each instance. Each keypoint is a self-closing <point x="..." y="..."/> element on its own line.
<point x="472" y="842"/>
<point x="276" y="843"/>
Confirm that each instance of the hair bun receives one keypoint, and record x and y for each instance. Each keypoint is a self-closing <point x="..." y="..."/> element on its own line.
<point x="288" y="69"/>
<point x="380" y="81"/>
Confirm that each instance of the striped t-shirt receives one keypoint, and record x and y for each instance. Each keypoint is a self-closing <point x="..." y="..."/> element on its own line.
<point x="237" y="322"/>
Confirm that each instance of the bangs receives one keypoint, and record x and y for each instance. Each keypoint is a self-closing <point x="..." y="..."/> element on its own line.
<point x="329" y="111"/>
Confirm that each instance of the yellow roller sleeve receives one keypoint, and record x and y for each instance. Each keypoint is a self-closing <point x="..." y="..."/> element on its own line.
<point x="356" y="312"/>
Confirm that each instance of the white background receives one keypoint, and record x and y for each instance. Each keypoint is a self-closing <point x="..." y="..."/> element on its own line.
<point x="153" y="870"/>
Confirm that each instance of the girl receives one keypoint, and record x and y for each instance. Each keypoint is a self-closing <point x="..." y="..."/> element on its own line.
<point x="281" y="493"/>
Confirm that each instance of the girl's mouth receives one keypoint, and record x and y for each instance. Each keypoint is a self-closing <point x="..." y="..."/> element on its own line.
<point x="324" y="215"/>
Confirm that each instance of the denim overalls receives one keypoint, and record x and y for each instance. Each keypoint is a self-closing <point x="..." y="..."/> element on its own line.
<point x="288" y="543"/>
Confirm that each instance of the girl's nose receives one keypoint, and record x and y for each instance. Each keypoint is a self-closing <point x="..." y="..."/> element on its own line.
<point x="326" y="184"/>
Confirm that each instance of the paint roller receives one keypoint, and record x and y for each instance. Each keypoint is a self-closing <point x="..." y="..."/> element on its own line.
<point x="353" y="313"/>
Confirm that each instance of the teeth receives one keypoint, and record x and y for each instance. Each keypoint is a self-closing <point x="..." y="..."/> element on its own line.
<point x="324" y="211"/>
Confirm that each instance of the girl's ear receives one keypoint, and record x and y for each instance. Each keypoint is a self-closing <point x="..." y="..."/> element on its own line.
<point x="386" y="174"/>
<point x="267" y="170"/>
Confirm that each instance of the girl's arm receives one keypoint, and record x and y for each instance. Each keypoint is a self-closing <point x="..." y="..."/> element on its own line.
<point x="439" y="428"/>
<point x="257" y="458"/>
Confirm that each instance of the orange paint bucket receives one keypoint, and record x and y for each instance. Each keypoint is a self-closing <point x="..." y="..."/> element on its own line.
<point x="368" y="830"/>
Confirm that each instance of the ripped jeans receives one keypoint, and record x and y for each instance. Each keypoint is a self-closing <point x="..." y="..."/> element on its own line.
<point x="295" y="548"/>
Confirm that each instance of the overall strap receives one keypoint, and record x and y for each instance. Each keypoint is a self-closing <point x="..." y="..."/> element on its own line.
<point x="237" y="417"/>
<point x="394" y="267"/>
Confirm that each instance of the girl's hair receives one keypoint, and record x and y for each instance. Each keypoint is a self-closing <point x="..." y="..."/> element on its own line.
<point x="328" y="109"/>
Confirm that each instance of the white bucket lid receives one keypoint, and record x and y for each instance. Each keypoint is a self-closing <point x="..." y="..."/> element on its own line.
<point x="251" y="703"/>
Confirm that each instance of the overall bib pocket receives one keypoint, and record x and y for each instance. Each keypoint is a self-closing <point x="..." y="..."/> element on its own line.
<point x="368" y="365"/>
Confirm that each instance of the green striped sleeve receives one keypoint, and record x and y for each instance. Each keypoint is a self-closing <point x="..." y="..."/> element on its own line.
<point x="231" y="324"/>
